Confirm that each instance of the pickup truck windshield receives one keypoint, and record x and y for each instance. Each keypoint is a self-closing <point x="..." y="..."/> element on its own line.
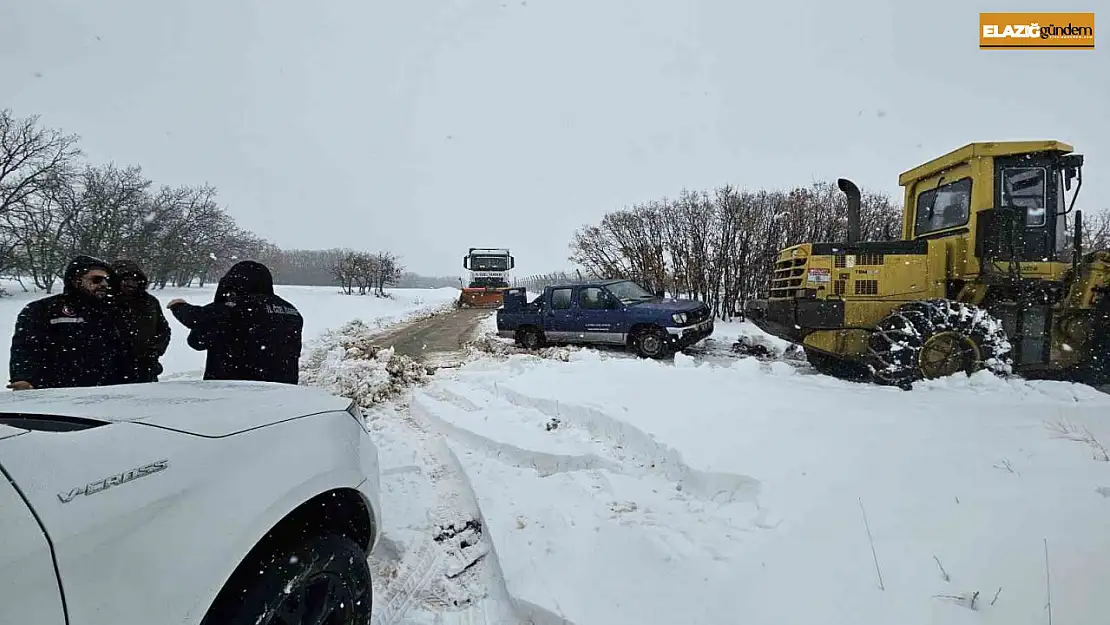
<point x="628" y="291"/>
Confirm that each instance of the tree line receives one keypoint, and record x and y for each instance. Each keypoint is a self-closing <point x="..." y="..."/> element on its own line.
<point x="55" y="205"/>
<point x="353" y="270"/>
<point x="720" y="246"/>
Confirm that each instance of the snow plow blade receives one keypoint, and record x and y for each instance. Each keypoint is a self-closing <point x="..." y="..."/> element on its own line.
<point x="482" y="298"/>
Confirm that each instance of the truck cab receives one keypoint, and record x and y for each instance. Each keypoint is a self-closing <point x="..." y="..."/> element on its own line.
<point x="611" y="312"/>
<point x="489" y="272"/>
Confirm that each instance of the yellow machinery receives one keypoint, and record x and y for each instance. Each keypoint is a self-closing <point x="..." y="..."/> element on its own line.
<point x="987" y="274"/>
<point x="489" y="270"/>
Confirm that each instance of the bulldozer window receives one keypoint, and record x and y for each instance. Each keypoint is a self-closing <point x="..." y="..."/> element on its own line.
<point x="943" y="207"/>
<point x="560" y="299"/>
<point x="1025" y="187"/>
<point x="1064" y="234"/>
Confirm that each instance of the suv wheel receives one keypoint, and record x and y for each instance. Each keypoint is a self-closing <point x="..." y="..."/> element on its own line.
<point x="651" y="343"/>
<point x="529" y="338"/>
<point x="323" y="579"/>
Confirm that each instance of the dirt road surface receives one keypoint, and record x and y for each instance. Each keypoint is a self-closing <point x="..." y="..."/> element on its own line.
<point x="437" y="340"/>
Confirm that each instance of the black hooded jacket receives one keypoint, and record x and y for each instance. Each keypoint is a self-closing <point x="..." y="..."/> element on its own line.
<point x="142" y="325"/>
<point x="249" y="332"/>
<point x="68" y="339"/>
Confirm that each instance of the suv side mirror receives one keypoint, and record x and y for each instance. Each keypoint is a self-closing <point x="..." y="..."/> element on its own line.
<point x="612" y="303"/>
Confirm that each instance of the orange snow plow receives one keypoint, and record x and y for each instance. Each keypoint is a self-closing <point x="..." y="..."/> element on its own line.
<point x="481" y="298"/>
<point x="489" y="269"/>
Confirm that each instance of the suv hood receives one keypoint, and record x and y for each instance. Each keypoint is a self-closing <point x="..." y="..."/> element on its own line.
<point x="669" y="305"/>
<point x="7" y="431"/>
<point x="205" y="408"/>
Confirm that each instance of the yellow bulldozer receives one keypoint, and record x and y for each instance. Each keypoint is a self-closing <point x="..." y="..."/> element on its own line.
<point x="989" y="273"/>
<point x="489" y="270"/>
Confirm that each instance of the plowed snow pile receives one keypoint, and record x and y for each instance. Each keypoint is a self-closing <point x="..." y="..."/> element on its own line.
<point x="345" y="362"/>
<point x="618" y="490"/>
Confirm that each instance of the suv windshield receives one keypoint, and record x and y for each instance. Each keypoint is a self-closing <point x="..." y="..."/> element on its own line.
<point x="629" y="291"/>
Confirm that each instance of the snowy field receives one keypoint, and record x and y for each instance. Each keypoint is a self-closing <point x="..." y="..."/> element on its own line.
<point x="590" y="487"/>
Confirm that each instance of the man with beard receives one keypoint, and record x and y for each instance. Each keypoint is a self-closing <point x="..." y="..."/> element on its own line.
<point x="69" y="339"/>
<point x="249" y="332"/>
<point x="143" y="326"/>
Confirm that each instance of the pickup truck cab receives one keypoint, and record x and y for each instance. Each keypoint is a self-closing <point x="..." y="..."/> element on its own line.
<point x="610" y="312"/>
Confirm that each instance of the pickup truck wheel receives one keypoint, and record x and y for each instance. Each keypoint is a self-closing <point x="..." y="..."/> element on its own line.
<point x="529" y="338"/>
<point x="325" y="579"/>
<point x="651" y="343"/>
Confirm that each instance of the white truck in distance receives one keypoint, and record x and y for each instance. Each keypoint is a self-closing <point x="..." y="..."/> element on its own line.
<point x="198" y="503"/>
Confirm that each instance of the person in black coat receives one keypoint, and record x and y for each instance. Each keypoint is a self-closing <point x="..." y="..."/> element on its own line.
<point x="249" y="332"/>
<point x="69" y="339"/>
<point x="142" y="323"/>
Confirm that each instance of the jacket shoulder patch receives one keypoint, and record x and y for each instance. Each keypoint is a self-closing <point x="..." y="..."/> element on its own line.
<point x="68" y="320"/>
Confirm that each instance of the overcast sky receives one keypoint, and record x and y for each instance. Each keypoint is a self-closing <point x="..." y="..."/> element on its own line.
<point x="429" y="126"/>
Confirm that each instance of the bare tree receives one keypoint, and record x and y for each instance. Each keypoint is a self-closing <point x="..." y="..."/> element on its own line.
<point x="345" y="270"/>
<point x="1096" y="230"/>
<point x="38" y="225"/>
<point x="30" y="156"/>
<point x="53" y="206"/>
<point x="33" y="160"/>
<point x="386" y="271"/>
<point x="720" y="247"/>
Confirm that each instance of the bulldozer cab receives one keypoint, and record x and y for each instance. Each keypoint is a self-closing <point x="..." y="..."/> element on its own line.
<point x="999" y="208"/>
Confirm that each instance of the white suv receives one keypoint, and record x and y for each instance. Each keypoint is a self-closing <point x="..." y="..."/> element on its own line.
<point x="185" y="503"/>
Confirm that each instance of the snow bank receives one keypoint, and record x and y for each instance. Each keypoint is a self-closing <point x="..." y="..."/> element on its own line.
<point x="620" y="490"/>
<point x="744" y="338"/>
<point x="485" y="345"/>
<point x="347" y="363"/>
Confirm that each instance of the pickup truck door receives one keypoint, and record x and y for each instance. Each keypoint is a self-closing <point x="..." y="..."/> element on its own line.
<point x="29" y="588"/>
<point x="595" y="320"/>
<point x="559" y="324"/>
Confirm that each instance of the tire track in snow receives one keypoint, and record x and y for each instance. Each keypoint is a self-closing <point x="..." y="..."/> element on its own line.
<point x="545" y="464"/>
<point x="452" y="570"/>
<point x="636" y="452"/>
<point x="418" y="570"/>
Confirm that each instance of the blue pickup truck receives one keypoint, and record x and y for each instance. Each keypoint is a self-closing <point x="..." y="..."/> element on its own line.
<point x="609" y="312"/>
